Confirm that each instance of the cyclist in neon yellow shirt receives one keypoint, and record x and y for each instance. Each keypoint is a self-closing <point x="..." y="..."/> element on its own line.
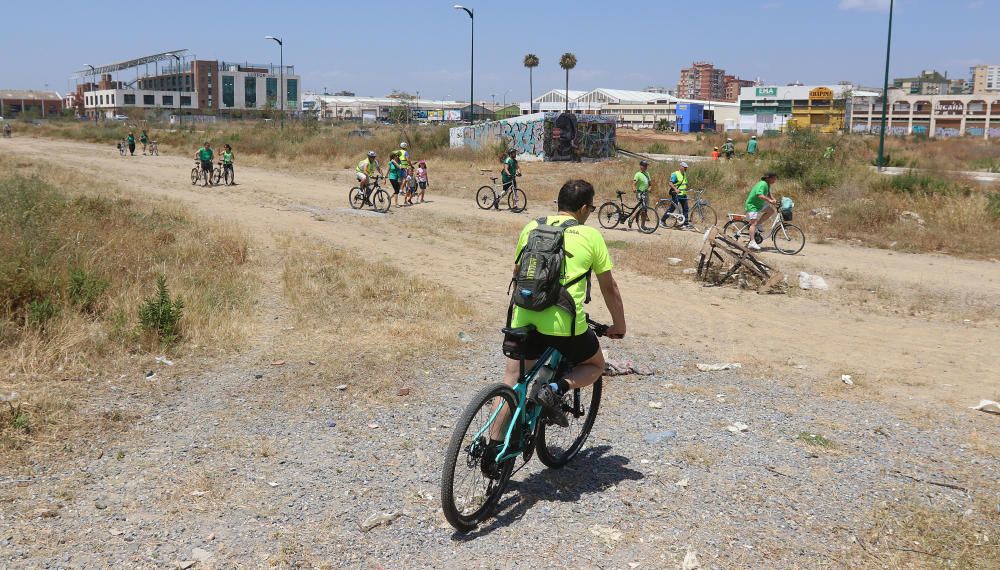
<point x="586" y="252"/>
<point x="366" y="169"/>
<point x="679" y="196"/>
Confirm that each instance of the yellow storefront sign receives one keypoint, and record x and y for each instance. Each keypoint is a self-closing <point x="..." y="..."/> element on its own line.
<point x="821" y="93"/>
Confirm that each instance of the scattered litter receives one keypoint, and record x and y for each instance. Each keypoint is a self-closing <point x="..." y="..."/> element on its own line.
<point x="198" y="493"/>
<point x="378" y="520"/>
<point x="164" y="360"/>
<point x="342" y="387"/>
<point x="464" y="337"/>
<point x="689" y="271"/>
<point x="683" y="483"/>
<point x="373" y="425"/>
<point x="690" y="561"/>
<point x="278" y="363"/>
<point x="737" y="427"/>
<point x="606" y="533"/>
<point x="816" y="282"/>
<point x="908" y="216"/>
<point x="668" y="385"/>
<point x="800" y="366"/>
<point x="150" y="375"/>
<point x="258" y="376"/>
<point x="988" y="406"/>
<point x="846" y="379"/>
<point x="674" y="261"/>
<point x="656" y="405"/>
<point x="331" y="423"/>
<point x="623" y="367"/>
<point x="272" y="483"/>
<point x="312" y="363"/>
<point x="659" y="436"/>
<point x="8" y="397"/>
<point x="719" y="367"/>
<point x="404" y="391"/>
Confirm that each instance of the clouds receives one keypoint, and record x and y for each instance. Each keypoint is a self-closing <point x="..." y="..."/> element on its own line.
<point x="865" y="5"/>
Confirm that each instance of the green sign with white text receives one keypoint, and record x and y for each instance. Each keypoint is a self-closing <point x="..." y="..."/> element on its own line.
<point x="767" y="91"/>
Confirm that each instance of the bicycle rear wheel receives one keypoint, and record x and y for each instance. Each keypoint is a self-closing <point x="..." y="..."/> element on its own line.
<point x="556" y="446"/>
<point x="472" y="482"/>
<point x="517" y="201"/>
<point x="194" y="175"/>
<point x="486" y="196"/>
<point x="228" y="176"/>
<point x="702" y="217"/>
<point x="609" y="215"/>
<point x="737" y="230"/>
<point x="646" y="220"/>
<point x="380" y="201"/>
<point x="789" y="239"/>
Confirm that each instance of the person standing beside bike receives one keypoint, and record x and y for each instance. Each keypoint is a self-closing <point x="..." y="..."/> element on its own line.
<point x="395" y="175"/>
<point x="641" y="184"/>
<point x="131" y="143"/>
<point x="678" y="195"/>
<point x="204" y="154"/>
<point x="366" y="169"/>
<point x="227" y="164"/>
<point x="586" y="253"/>
<point x="509" y="172"/>
<point x="760" y="206"/>
<point x="729" y="149"/>
<point x="144" y="139"/>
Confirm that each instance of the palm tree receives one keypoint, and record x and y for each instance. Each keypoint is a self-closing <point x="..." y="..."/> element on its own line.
<point x="567" y="62"/>
<point x="531" y="62"/>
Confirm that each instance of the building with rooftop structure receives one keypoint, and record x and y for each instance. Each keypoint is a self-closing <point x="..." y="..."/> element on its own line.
<point x="772" y="108"/>
<point x="20" y="102"/>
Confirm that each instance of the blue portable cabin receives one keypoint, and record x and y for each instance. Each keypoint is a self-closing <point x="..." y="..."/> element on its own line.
<point x="690" y="117"/>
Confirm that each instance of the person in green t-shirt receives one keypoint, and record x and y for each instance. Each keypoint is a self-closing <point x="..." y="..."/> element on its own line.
<point x="760" y="206"/>
<point x="728" y="149"/>
<point x="227" y="164"/>
<point x="752" y="145"/>
<point x="395" y="174"/>
<point x="144" y="139"/>
<point x="130" y="140"/>
<point x="510" y="170"/>
<point x="641" y="183"/>
<point x="586" y="252"/>
<point x="205" y="156"/>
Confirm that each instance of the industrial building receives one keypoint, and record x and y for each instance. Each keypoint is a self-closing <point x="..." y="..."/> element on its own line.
<point x="985" y="79"/>
<point x="180" y="82"/>
<point x="931" y="83"/>
<point x="355" y="108"/>
<point x="976" y="115"/>
<point x="772" y="108"/>
<point x="18" y="102"/>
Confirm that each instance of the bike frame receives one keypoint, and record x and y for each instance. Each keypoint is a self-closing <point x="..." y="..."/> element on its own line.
<point x="631" y="209"/>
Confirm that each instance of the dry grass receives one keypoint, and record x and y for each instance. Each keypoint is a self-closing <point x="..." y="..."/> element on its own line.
<point x="365" y="323"/>
<point x="58" y="338"/>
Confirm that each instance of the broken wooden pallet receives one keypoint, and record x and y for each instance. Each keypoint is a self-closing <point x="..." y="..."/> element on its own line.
<point x="724" y="259"/>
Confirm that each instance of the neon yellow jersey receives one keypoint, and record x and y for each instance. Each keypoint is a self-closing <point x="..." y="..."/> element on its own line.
<point x="585" y="249"/>
<point x="404" y="158"/>
<point x="368" y="166"/>
<point x="680" y="181"/>
<point x="641" y="181"/>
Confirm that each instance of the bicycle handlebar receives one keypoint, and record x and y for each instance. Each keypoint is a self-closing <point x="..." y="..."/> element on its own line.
<point x="598" y="328"/>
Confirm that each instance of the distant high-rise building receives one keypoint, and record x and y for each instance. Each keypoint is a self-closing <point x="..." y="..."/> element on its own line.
<point x="927" y="83"/>
<point x="985" y="79"/>
<point x="706" y="82"/>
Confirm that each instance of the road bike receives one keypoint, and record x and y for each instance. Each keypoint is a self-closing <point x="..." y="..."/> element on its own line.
<point x="700" y="214"/>
<point x="476" y="471"/>
<point x="154" y="149"/>
<point x="612" y="213"/>
<point x="787" y="238"/>
<point x="197" y="173"/>
<point x="224" y="173"/>
<point x="489" y="197"/>
<point x="373" y="196"/>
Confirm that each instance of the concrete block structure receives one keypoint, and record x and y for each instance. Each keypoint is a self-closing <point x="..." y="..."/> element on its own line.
<point x="543" y="136"/>
<point x="974" y="115"/>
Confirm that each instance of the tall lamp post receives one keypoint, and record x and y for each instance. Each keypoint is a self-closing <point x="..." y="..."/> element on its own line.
<point x="885" y="95"/>
<point x="178" y="60"/>
<point x="281" y="75"/>
<point x="472" y="59"/>
<point x="93" y="73"/>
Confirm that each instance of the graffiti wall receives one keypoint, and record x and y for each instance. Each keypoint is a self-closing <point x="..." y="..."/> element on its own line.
<point x="543" y="136"/>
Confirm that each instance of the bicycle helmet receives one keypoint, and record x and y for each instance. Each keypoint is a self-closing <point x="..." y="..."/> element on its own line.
<point x="371" y="154"/>
<point x="643" y="163"/>
<point x="684" y="165"/>
<point x="403" y="144"/>
<point x="512" y="151"/>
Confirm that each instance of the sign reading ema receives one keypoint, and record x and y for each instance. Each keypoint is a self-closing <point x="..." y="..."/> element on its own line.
<point x="767" y="91"/>
<point x="821" y="93"/>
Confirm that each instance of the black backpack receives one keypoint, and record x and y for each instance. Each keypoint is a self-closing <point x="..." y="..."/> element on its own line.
<point x="537" y="285"/>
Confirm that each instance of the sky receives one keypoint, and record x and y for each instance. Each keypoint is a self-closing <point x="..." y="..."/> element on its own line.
<point x="371" y="48"/>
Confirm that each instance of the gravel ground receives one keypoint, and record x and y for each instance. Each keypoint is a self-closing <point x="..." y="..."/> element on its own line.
<point x="241" y="467"/>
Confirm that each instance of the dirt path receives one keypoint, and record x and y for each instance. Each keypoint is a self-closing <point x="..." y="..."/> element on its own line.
<point x="915" y="355"/>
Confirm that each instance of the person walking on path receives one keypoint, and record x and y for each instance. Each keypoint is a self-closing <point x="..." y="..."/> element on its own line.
<point x="144" y="139"/>
<point x="729" y="149"/>
<point x="752" y="146"/>
<point x="205" y="156"/>
<point x="131" y="143"/>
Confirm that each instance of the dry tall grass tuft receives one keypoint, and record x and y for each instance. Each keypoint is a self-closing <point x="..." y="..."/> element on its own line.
<point x="76" y="264"/>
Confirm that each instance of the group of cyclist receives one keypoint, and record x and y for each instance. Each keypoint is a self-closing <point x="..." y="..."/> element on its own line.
<point x="407" y="182"/>
<point x="729" y="149"/>
<point x="206" y="155"/>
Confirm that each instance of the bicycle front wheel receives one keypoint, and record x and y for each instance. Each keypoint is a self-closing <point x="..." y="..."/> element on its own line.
<point x="517" y="201"/>
<point x="486" y="197"/>
<point x="380" y="201"/>
<point x="788" y="239"/>
<point x="216" y="176"/>
<point x="557" y="446"/>
<point x="609" y="215"/>
<point x="194" y="175"/>
<point x="702" y="217"/>
<point x="472" y="482"/>
<point x="646" y="220"/>
<point x="670" y="221"/>
<point x="356" y="197"/>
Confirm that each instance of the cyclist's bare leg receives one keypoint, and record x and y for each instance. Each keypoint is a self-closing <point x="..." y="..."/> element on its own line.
<point x="498" y="430"/>
<point x="587" y="372"/>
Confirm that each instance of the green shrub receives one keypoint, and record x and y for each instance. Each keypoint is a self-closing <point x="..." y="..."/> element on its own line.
<point x="913" y="182"/>
<point x="658" y="148"/>
<point x="40" y="312"/>
<point x="84" y="290"/>
<point x="993" y="205"/>
<point x="160" y="315"/>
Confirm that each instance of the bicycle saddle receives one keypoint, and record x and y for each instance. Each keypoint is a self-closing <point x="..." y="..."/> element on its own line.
<point x="620" y="193"/>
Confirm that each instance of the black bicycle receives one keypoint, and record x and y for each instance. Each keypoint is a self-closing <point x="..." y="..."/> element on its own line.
<point x="611" y="214"/>
<point x="373" y="195"/>
<point x="489" y="197"/>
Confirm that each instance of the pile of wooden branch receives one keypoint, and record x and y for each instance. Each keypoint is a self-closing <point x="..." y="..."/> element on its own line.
<point x="725" y="260"/>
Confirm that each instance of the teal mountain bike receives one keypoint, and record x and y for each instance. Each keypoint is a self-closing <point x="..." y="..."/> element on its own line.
<point x="502" y="423"/>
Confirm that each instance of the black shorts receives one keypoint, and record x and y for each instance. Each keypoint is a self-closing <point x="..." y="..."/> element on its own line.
<point x="395" y="185"/>
<point x="575" y="349"/>
<point x="508" y="185"/>
<point x="206" y="165"/>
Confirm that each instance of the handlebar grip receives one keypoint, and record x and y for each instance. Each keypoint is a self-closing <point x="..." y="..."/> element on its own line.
<point x="598" y="328"/>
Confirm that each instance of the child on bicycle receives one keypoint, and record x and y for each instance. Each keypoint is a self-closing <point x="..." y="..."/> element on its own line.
<point x="422" y="178"/>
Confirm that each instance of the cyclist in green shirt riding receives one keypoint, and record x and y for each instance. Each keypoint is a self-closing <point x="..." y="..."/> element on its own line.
<point x="760" y="206"/>
<point x="586" y="252"/>
<point x="227" y="164"/>
<point x="205" y="156"/>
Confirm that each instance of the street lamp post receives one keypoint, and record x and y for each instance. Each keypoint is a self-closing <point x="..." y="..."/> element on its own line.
<point x="281" y="75"/>
<point x="472" y="59"/>
<point x="93" y="73"/>
<point x="178" y="60"/>
<point x="885" y="95"/>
